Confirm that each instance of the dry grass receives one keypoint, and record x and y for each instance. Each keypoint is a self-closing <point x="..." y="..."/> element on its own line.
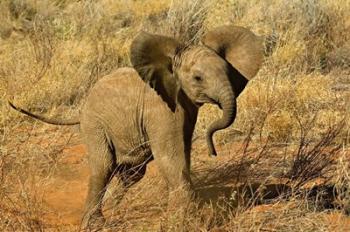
<point x="53" y="51"/>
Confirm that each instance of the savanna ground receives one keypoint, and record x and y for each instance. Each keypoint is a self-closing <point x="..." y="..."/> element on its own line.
<point x="283" y="165"/>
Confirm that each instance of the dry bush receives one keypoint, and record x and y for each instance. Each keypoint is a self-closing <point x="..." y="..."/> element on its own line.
<point x="312" y="161"/>
<point x="28" y="159"/>
<point x="56" y="59"/>
<point x="20" y="206"/>
<point x="185" y="20"/>
<point x="342" y="182"/>
<point x="181" y="20"/>
<point x="305" y="30"/>
<point x="272" y="105"/>
<point x="281" y="216"/>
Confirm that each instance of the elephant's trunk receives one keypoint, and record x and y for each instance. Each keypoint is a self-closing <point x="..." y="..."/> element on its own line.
<point x="227" y="100"/>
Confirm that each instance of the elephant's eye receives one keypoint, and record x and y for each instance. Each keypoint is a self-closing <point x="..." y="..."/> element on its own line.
<point x="198" y="78"/>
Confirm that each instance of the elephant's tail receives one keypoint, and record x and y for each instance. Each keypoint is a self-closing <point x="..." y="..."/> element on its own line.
<point x="47" y="120"/>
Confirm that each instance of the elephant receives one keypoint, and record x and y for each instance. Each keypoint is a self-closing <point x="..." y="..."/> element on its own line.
<point x="149" y="111"/>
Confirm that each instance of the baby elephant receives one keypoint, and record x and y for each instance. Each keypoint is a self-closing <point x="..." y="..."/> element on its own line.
<point x="147" y="112"/>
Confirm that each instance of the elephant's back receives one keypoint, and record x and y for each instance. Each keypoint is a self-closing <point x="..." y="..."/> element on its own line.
<point x="122" y="104"/>
<point x="118" y="89"/>
<point x="123" y="79"/>
<point x="121" y="93"/>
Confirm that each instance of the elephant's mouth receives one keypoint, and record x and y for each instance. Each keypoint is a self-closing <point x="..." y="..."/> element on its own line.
<point x="203" y="98"/>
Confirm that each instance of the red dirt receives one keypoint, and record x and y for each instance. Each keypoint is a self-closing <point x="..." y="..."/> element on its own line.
<point x="339" y="221"/>
<point x="65" y="195"/>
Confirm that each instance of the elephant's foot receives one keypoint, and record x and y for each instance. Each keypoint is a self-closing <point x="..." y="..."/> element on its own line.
<point x="179" y="206"/>
<point x="181" y="196"/>
<point x="93" y="222"/>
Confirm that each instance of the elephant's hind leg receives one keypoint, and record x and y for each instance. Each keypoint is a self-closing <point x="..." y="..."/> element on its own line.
<point x="102" y="165"/>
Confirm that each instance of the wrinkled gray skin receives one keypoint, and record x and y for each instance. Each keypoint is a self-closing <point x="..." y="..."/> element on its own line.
<point x="135" y="115"/>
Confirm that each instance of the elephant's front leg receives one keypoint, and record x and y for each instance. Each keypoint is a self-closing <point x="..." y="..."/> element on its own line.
<point x="176" y="171"/>
<point x="173" y="161"/>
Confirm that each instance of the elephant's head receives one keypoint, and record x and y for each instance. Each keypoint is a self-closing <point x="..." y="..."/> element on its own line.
<point x="208" y="73"/>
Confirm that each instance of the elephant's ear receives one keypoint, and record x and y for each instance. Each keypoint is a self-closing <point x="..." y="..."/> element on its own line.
<point x="239" y="46"/>
<point x="152" y="57"/>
